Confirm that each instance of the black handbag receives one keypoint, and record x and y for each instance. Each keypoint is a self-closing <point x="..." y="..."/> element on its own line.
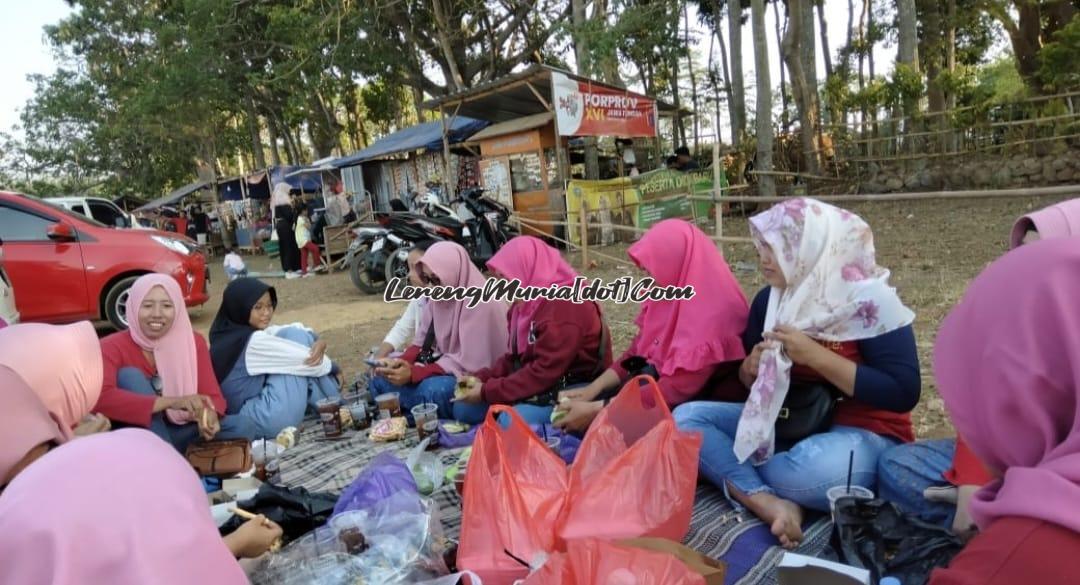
<point x="808" y="409"/>
<point x="427" y="353"/>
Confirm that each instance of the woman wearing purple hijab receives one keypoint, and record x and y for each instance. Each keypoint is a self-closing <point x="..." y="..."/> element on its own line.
<point x="1010" y="379"/>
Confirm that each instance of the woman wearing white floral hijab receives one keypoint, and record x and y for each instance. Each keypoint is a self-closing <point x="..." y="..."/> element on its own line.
<point x="828" y="318"/>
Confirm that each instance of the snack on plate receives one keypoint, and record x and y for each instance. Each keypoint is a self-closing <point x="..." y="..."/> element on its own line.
<point x="346" y="417"/>
<point x="454" y="427"/>
<point x="287" y="437"/>
<point x="388" y="429"/>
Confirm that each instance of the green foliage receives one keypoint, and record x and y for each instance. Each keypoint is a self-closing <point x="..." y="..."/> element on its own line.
<point x="1059" y="60"/>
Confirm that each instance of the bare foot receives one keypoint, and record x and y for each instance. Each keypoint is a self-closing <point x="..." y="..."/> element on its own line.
<point x="784" y="517"/>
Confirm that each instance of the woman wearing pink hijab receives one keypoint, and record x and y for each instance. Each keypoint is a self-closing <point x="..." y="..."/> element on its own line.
<point x="62" y="364"/>
<point x="452" y="339"/>
<point x="1059" y="220"/>
<point x="158" y="373"/>
<point x="1010" y="379"/>
<point x="555" y="344"/>
<point x="686" y="343"/>
<point x="120" y="508"/>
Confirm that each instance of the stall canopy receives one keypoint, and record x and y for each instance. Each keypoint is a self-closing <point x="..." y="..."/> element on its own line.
<point x="175" y="196"/>
<point x="427" y="136"/>
<point x="530" y="92"/>
<point x="258" y="188"/>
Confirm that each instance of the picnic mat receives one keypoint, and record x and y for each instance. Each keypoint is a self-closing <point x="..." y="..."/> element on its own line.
<point x="716" y="529"/>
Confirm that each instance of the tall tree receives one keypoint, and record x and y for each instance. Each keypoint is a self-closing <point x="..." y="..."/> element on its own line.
<point x="824" y="30"/>
<point x="763" y="111"/>
<point x="907" y="47"/>
<point x="738" y="90"/>
<point x="1033" y="27"/>
<point x="785" y="120"/>
<point x="803" y="87"/>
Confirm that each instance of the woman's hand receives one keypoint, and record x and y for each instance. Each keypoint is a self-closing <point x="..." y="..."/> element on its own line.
<point x="253" y="538"/>
<point x="209" y="424"/>
<point x="473" y="393"/>
<point x="397" y="371"/>
<point x="753" y="361"/>
<point x="92" y="424"/>
<point x="192" y="404"/>
<point x="579" y="415"/>
<point x="318" y="350"/>
<point x="585" y="393"/>
<point x="798" y="346"/>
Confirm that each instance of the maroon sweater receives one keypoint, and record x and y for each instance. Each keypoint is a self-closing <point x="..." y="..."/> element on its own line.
<point x="567" y="341"/>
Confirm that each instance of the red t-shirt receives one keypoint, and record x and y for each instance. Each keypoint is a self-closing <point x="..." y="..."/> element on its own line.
<point x="1016" y="551"/>
<point x="120" y="351"/>
<point x="853" y="413"/>
<point x="966" y="469"/>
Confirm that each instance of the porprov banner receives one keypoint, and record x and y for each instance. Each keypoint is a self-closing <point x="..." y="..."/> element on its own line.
<point x="639" y="202"/>
<point x="584" y="109"/>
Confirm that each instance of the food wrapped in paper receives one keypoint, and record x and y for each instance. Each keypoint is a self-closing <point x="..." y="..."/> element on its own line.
<point x="388" y="429"/>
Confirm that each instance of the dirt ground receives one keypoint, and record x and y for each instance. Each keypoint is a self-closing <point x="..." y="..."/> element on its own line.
<point x="933" y="248"/>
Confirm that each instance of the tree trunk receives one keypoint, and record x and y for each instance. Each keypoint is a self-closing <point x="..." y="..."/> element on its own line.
<point x="950" y="65"/>
<point x="785" y="119"/>
<point x="251" y="116"/>
<point x="907" y="54"/>
<point x="763" y="111"/>
<point x="676" y="98"/>
<point x="275" y="152"/>
<point x="727" y="75"/>
<point x="609" y="61"/>
<point x="738" y="93"/>
<point x="794" y="52"/>
<point x="583" y="58"/>
<point x="824" y="38"/>
<point x="932" y="35"/>
<point x="455" y="80"/>
<point x="716" y="90"/>
<point x="693" y="78"/>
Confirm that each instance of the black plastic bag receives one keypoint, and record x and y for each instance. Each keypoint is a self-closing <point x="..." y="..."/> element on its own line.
<point x="296" y="510"/>
<point x="875" y="535"/>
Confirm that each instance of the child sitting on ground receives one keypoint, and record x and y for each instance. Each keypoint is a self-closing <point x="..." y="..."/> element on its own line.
<point x="234" y="265"/>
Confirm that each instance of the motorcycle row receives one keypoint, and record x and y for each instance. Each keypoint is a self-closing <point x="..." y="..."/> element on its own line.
<point x="378" y="254"/>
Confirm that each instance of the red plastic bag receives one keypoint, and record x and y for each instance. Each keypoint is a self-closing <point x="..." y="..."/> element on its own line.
<point x="515" y="491"/>
<point x="635" y="473"/>
<point x="595" y="562"/>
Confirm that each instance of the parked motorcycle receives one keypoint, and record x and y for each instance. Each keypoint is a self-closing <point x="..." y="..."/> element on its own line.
<point x="482" y="232"/>
<point x="359" y="254"/>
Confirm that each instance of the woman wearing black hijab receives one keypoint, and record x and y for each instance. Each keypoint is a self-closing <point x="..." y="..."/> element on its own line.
<point x="285" y="226"/>
<point x="270" y="374"/>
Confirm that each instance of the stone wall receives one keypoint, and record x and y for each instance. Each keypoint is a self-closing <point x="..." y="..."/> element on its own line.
<point x="986" y="172"/>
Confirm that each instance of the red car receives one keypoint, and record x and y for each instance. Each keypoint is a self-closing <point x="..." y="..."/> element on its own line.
<point x="67" y="267"/>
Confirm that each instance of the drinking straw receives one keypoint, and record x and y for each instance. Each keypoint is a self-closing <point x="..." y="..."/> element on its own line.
<point x="850" y="463"/>
<point x="543" y="429"/>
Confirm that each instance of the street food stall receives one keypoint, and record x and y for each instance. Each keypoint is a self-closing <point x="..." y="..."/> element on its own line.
<point x="535" y="114"/>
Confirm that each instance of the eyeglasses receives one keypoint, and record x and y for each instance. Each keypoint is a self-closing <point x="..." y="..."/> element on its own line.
<point x="431" y="279"/>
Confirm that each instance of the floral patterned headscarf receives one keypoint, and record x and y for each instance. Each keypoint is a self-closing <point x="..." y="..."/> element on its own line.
<point x="835" y="292"/>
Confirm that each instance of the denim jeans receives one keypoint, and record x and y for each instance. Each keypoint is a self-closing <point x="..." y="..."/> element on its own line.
<point x="801" y="473"/>
<point x="234" y="273"/>
<point x="180" y="436"/>
<point x="905" y="471"/>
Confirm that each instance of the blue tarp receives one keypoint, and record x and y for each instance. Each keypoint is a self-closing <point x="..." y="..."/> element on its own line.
<point x="229" y="190"/>
<point x="427" y="136"/>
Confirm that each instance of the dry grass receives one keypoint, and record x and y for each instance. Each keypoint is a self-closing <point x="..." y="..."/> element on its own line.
<point x="933" y="249"/>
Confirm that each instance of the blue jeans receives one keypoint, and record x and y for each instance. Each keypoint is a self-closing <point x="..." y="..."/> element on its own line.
<point x="905" y="471"/>
<point x="233" y="273"/>
<point x="180" y="436"/>
<point x="434" y="389"/>
<point x="801" y="474"/>
<point x="532" y="414"/>
<point x="285" y="399"/>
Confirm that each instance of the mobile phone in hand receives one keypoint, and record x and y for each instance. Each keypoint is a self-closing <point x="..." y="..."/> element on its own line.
<point x="374" y="363"/>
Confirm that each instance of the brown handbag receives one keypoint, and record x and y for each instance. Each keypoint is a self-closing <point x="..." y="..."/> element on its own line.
<point x="220" y="458"/>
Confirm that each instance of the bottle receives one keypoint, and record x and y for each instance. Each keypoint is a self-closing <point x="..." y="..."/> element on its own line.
<point x="889" y="581"/>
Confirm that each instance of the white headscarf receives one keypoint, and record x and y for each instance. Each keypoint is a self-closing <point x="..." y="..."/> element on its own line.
<point x="835" y="292"/>
<point x="281" y="194"/>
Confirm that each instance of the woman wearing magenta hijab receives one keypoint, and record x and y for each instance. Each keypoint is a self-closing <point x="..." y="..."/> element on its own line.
<point x="936" y="479"/>
<point x="830" y="326"/>
<point x="158" y="373"/>
<point x="452" y="339"/>
<point x="120" y="508"/>
<point x="1010" y="380"/>
<point x="685" y="344"/>
<point x="555" y="345"/>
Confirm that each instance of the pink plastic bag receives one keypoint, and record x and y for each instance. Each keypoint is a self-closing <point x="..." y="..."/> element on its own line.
<point x="635" y="473"/>
<point x="594" y="562"/>
<point x="515" y="491"/>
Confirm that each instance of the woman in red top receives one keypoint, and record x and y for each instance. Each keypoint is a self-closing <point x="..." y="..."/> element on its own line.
<point x="1010" y="379"/>
<point x="158" y="373"/>
<point x="554" y="344"/>
<point x="838" y="325"/>
<point x="685" y="344"/>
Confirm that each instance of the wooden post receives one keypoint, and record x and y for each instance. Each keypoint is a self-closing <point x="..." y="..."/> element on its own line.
<point x="717" y="192"/>
<point x="583" y="222"/>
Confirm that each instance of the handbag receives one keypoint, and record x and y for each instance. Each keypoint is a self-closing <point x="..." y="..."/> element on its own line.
<point x="427" y="353"/>
<point x="550" y="396"/>
<point x="220" y="458"/>
<point x="808" y="409"/>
